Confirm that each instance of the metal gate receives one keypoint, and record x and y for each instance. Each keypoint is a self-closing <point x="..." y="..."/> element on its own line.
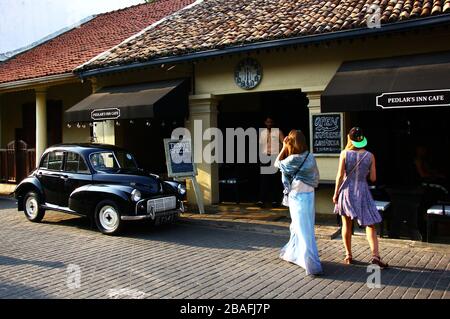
<point x="16" y="162"/>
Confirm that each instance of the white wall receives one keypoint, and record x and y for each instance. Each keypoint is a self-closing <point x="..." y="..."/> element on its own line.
<point x="39" y="18"/>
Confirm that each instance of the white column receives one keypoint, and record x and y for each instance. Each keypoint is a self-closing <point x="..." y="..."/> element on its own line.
<point x="41" y="123"/>
<point x="204" y="108"/>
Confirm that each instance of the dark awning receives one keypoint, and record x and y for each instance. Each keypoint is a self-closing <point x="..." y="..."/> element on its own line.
<point x="162" y="100"/>
<point x="399" y="82"/>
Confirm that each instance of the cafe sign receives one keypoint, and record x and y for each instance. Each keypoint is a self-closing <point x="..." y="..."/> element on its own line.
<point x="105" y="114"/>
<point x="427" y="98"/>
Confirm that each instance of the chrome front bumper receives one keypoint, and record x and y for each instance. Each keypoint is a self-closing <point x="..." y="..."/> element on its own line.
<point x="160" y="215"/>
<point x="151" y="214"/>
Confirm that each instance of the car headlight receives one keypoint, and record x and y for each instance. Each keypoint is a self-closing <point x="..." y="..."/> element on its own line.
<point x="181" y="189"/>
<point x="136" y="195"/>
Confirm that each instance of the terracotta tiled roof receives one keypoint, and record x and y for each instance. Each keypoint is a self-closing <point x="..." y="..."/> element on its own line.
<point x="216" y="24"/>
<point x="65" y="52"/>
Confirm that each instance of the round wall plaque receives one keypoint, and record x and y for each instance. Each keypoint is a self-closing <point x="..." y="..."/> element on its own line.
<point x="248" y="74"/>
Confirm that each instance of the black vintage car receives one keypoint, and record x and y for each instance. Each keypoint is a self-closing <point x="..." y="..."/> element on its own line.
<point x="102" y="182"/>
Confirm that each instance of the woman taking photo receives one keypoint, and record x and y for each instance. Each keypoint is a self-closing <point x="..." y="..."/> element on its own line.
<point x="352" y="197"/>
<point x="300" y="176"/>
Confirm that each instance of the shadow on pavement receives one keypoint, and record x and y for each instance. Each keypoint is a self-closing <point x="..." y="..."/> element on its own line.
<point x="11" y="261"/>
<point x="393" y="276"/>
<point x="66" y="220"/>
<point x="15" y="291"/>
<point x="181" y="234"/>
<point x="7" y="203"/>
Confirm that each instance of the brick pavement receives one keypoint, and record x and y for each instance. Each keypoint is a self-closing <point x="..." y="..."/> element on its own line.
<point x="191" y="261"/>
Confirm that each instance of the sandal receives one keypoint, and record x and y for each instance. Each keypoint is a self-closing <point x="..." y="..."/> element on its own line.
<point x="348" y="260"/>
<point x="376" y="260"/>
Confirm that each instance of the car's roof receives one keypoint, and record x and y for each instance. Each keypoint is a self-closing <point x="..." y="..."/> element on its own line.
<point x="83" y="147"/>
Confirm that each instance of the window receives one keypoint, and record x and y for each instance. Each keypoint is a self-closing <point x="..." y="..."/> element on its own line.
<point x="82" y="167"/>
<point x="75" y="164"/>
<point x="72" y="162"/>
<point x="126" y="160"/>
<point x="55" y="161"/>
<point x="107" y="161"/>
<point x="104" y="161"/>
<point x="44" y="161"/>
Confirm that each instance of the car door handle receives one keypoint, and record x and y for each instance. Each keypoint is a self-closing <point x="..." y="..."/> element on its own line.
<point x="64" y="177"/>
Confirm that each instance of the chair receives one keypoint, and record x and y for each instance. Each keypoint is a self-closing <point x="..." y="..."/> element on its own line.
<point x="382" y="207"/>
<point x="437" y="213"/>
<point x="434" y="207"/>
<point x="383" y="203"/>
<point x="404" y="211"/>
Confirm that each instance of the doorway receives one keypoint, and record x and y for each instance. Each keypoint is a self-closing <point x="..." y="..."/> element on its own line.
<point x="288" y="109"/>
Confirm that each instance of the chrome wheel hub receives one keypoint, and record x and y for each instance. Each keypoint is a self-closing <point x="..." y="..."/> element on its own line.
<point x="109" y="218"/>
<point x="31" y="207"/>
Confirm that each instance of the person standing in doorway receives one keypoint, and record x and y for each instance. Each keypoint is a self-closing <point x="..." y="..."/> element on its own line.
<point x="352" y="197"/>
<point x="300" y="177"/>
<point x="270" y="142"/>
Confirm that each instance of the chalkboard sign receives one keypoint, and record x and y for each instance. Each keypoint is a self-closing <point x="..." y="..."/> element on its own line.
<point x="179" y="158"/>
<point x="326" y="137"/>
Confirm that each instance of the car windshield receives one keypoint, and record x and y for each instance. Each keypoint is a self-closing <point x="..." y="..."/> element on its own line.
<point x="112" y="161"/>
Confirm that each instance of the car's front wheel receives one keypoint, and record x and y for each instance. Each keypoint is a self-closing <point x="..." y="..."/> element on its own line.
<point x="33" y="211"/>
<point x="107" y="217"/>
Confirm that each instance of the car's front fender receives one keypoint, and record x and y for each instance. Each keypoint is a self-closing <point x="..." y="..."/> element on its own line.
<point x="84" y="199"/>
<point x="175" y="187"/>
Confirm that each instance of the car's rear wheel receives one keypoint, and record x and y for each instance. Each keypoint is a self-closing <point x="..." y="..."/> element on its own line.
<point x="107" y="217"/>
<point x="32" y="209"/>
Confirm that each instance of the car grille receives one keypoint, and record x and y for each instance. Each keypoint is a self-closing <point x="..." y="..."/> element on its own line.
<point x="162" y="204"/>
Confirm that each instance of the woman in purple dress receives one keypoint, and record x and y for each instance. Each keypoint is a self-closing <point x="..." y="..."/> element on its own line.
<point x="352" y="197"/>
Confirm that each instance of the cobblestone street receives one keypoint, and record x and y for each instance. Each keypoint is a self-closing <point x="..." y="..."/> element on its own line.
<point x="187" y="261"/>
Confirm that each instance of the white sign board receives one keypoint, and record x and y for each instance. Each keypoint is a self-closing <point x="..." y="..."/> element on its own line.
<point x="179" y="158"/>
<point x="180" y="163"/>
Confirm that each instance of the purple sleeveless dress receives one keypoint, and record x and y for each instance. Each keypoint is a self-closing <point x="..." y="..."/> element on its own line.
<point x="355" y="199"/>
